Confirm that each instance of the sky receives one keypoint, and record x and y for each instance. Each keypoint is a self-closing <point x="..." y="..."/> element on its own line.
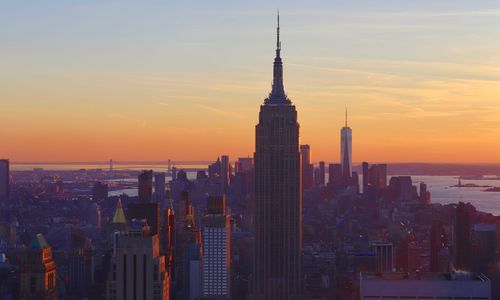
<point x="90" y="80"/>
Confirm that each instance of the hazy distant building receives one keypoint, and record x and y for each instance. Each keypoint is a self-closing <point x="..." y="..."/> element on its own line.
<point x="160" y="191"/>
<point x="438" y="248"/>
<point x="216" y="250"/>
<point x="335" y="175"/>
<point x="4" y="179"/>
<point x="100" y="192"/>
<point x="278" y="196"/>
<point x="225" y="172"/>
<point x="346" y="149"/>
<point x="138" y="271"/>
<point x="365" y="176"/>
<point x="377" y="176"/>
<point x="424" y="194"/>
<point x="38" y="271"/>
<point x="244" y="164"/>
<point x="307" y="167"/>
<point x="401" y="285"/>
<point x="146" y="186"/>
<point x="319" y="177"/>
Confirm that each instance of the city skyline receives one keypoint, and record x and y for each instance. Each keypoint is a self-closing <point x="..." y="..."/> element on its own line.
<point x="419" y="79"/>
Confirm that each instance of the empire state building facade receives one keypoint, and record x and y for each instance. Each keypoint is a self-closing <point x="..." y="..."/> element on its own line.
<point x="278" y="195"/>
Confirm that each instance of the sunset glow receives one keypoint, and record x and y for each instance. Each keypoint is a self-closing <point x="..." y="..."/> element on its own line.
<point x="85" y="81"/>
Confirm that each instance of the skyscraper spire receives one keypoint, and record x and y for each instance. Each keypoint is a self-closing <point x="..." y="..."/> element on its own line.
<point x="278" y="42"/>
<point x="277" y="95"/>
<point x="346" y="117"/>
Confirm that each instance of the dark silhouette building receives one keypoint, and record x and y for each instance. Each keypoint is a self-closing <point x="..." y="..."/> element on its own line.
<point x="146" y="186"/>
<point x="438" y="245"/>
<point x="278" y="196"/>
<point x="100" y="192"/>
<point x="4" y="179"/>
<point x="307" y="167"/>
<point x="319" y="177"/>
<point x="365" y="175"/>
<point x="462" y="238"/>
<point x="160" y="191"/>
<point x="335" y="175"/>
<point x="148" y="211"/>
<point x="38" y="271"/>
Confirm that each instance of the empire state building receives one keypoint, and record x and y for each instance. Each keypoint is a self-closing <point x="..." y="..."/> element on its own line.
<point x="278" y="195"/>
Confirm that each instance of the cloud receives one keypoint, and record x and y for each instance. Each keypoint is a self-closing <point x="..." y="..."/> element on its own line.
<point x="220" y="112"/>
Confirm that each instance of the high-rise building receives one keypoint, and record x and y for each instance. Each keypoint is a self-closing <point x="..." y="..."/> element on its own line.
<point x="462" y="226"/>
<point x="365" y="176"/>
<point x="335" y="175"/>
<point x="424" y="195"/>
<point x="216" y="250"/>
<point x="307" y="167"/>
<point x="278" y="196"/>
<point x="346" y="149"/>
<point x="244" y="164"/>
<point x="321" y="174"/>
<point x="377" y="176"/>
<point x="138" y="271"/>
<point x="38" y="271"/>
<point x="187" y="252"/>
<point x="160" y="191"/>
<point x="100" y="192"/>
<point x="438" y="247"/>
<point x="4" y="179"/>
<point x="148" y="211"/>
<point x="146" y="186"/>
<point x="80" y="264"/>
<point x="484" y="246"/>
<point x="225" y="172"/>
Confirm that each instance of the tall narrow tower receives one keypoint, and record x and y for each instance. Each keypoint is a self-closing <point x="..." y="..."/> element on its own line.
<point x="278" y="195"/>
<point x="346" y="149"/>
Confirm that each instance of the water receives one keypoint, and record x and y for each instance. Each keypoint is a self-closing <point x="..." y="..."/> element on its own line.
<point x="439" y="186"/>
<point x="441" y="192"/>
<point x="157" y="167"/>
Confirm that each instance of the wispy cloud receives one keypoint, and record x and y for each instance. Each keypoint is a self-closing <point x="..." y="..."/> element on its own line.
<point x="220" y="112"/>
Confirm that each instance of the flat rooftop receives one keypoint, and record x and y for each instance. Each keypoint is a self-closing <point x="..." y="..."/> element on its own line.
<point x="426" y="276"/>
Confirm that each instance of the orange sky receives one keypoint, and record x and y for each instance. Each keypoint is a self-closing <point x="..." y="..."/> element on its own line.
<point x="420" y="85"/>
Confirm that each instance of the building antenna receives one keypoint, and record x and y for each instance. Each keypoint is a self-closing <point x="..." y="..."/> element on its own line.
<point x="346" y="117"/>
<point x="278" y="42"/>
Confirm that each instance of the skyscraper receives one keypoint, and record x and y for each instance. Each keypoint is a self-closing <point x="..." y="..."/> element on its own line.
<point x="38" y="271"/>
<point x="462" y="238"/>
<point x="307" y="167"/>
<point x="4" y="179"/>
<point x="365" y="175"/>
<point x="438" y="244"/>
<point x="146" y="186"/>
<point x="216" y="250"/>
<point x="160" y="192"/>
<point x="138" y="271"/>
<point x="278" y="196"/>
<point x="225" y="172"/>
<point x="321" y="180"/>
<point x="346" y="149"/>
